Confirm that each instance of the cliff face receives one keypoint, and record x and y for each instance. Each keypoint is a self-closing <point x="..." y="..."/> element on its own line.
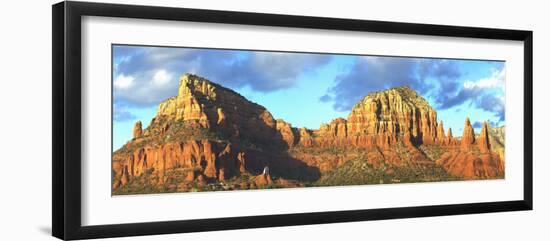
<point x="394" y="112"/>
<point x="137" y="130"/>
<point x="468" y="136"/>
<point x="208" y="133"/>
<point x="496" y="140"/>
<point x="474" y="159"/>
<point x="382" y="119"/>
<point x="217" y="108"/>
<point x="210" y="159"/>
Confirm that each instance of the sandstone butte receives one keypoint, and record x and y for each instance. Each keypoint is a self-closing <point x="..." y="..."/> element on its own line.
<point x="211" y="133"/>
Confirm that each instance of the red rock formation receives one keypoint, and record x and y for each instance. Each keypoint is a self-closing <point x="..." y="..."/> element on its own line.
<point x="210" y="160"/>
<point x="286" y="132"/>
<point x="472" y="165"/>
<point x="407" y="138"/>
<point x="137" y="130"/>
<point x="440" y="136"/>
<point x="336" y="129"/>
<point x="242" y="162"/>
<point x="468" y="136"/>
<point x="471" y="161"/>
<point x="221" y="175"/>
<point x="497" y="140"/>
<point x="190" y="176"/>
<point x="206" y="155"/>
<point x="263" y="179"/>
<point x="218" y="134"/>
<point x="450" y="139"/>
<point x="218" y="108"/>
<point x="380" y="120"/>
<point x="180" y="135"/>
<point x="124" y="179"/>
<point x="305" y="137"/>
<point x="201" y="181"/>
<point x="332" y="134"/>
<point x="395" y="110"/>
<point x="221" y="117"/>
<point x="483" y="140"/>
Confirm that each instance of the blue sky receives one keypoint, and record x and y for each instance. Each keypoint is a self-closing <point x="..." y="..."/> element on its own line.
<point x="302" y="88"/>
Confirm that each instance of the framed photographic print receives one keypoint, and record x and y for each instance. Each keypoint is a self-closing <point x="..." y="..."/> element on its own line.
<point x="170" y="120"/>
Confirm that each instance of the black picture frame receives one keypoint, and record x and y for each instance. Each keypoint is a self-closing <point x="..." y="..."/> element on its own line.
<point x="66" y="141"/>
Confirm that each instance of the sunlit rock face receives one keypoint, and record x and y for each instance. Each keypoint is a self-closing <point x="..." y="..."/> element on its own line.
<point x="474" y="159"/>
<point x="211" y="134"/>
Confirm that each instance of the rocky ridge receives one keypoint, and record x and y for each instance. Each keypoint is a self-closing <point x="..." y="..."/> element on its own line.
<point x="212" y="134"/>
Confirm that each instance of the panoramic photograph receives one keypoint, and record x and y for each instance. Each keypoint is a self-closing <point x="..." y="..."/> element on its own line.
<point x="202" y="119"/>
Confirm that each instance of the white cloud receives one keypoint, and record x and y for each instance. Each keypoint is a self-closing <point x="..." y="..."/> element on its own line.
<point x="161" y="78"/>
<point x="156" y="71"/>
<point x="124" y="82"/>
<point x="496" y="80"/>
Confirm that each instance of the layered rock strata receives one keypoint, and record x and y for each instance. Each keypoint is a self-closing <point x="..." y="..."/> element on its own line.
<point x="213" y="134"/>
